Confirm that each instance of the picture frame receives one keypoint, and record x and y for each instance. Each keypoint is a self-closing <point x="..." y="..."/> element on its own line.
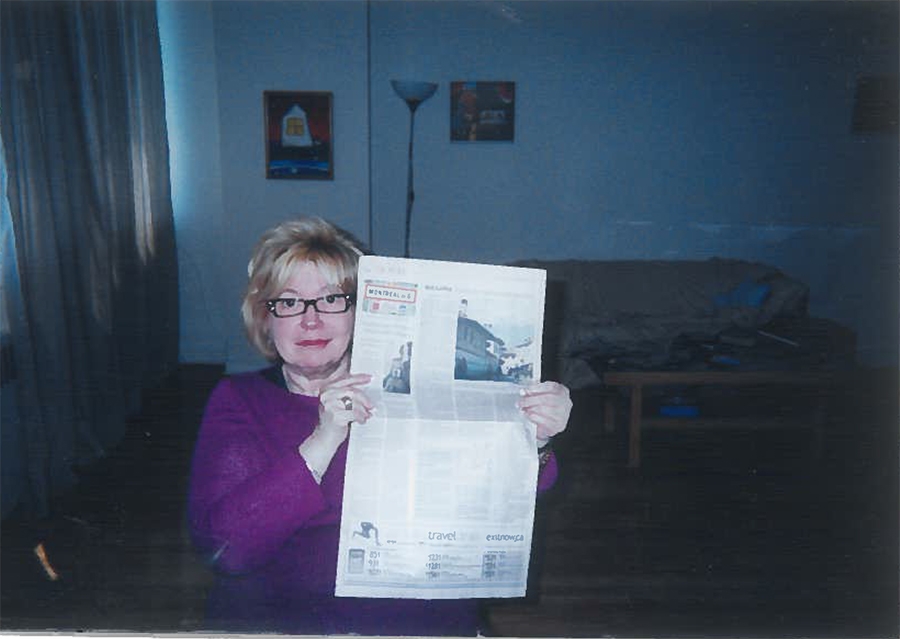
<point x="298" y="135"/>
<point x="482" y="111"/>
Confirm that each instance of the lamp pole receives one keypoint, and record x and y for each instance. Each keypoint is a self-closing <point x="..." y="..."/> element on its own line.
<point x="410" y="192"/>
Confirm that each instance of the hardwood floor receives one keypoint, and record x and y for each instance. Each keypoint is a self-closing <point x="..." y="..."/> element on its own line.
<point x="718" y="534"/>
<point x="723" y="534"/>
<point x="119" y="543"/>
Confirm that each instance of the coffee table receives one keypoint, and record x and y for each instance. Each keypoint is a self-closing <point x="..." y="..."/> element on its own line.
<point x="634" y="382"/>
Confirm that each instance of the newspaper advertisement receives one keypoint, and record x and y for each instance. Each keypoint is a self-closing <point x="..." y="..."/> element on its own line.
<point x="440" y="485"/>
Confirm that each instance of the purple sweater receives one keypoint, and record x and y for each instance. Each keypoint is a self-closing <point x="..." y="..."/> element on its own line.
<point x="271" y="532"/>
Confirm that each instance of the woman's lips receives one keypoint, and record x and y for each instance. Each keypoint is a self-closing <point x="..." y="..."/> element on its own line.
<point x="313" y="343"/>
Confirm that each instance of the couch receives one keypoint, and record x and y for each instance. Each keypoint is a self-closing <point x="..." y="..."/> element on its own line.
<point x="682" y="315"/>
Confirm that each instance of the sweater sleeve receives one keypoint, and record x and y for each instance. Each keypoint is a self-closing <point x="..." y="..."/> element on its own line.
<point x="548" y="474"/>
<point x="245" y="503"/>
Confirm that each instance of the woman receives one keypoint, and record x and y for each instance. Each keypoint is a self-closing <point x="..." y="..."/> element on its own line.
<point x="268" y="469"/>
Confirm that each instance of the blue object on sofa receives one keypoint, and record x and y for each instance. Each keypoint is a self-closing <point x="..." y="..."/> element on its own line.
<point x="747" y="293"/>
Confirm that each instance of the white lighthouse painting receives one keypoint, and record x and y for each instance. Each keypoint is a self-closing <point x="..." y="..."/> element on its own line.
<point x="298" y="135"/>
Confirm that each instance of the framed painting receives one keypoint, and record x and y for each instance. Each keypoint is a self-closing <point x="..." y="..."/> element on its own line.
<point x="482" y="111"/>
<point x="298" y="128"/>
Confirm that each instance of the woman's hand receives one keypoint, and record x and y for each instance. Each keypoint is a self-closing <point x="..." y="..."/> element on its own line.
<point x="340" y="403"/>
<point x="546" y="405"/>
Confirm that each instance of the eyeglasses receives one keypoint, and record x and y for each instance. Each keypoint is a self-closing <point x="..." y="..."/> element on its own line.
<point x="332" y="303"/>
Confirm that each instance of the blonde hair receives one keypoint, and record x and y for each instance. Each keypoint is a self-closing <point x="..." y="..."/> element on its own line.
<point x="335" y="253"/>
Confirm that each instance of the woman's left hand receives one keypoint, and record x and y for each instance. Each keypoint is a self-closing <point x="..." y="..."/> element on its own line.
<point x="546" y="405"/>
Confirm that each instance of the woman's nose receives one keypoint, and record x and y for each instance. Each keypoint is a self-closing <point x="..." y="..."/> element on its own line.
<point x="310" y="319"/>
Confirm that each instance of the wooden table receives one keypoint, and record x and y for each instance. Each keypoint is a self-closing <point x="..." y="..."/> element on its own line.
<point x="636" y="381"/>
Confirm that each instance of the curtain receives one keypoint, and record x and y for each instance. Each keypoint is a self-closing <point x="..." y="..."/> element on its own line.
<point x="92" y="309"/>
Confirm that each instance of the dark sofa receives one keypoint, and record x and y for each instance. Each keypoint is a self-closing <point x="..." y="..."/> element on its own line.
<point x="685" y="315"/>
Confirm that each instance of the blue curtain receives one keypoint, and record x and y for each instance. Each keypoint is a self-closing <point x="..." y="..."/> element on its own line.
<point x="92" y="307"/>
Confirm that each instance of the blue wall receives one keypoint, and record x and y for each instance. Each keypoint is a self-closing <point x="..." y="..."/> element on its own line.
<point x="219" y="57"/>
<point x="643" y="130"/>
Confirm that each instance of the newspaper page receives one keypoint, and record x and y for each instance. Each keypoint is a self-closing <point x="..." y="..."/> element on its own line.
<point x="440" y="485"/>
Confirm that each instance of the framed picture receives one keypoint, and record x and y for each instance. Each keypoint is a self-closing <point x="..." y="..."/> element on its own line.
<point x="481" y="111"/>
<point x="298" y="135"/>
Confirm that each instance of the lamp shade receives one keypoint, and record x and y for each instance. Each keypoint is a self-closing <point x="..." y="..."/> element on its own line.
<point x="414" y="91"/>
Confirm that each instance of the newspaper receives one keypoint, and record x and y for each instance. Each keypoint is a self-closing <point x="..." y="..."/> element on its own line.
<point x="440" y="485"/>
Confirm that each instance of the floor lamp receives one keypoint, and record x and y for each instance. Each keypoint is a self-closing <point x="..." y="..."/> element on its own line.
<point x="413" y="93"/>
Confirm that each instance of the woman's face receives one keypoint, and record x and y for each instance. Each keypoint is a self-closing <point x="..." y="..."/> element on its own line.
<point x="314" y="344"/>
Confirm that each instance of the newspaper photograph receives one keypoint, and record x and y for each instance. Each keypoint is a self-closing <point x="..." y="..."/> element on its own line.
<point x="440" y="485"/>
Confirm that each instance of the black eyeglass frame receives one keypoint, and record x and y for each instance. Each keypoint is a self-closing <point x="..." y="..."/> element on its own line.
<point x="349" y="298"/>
